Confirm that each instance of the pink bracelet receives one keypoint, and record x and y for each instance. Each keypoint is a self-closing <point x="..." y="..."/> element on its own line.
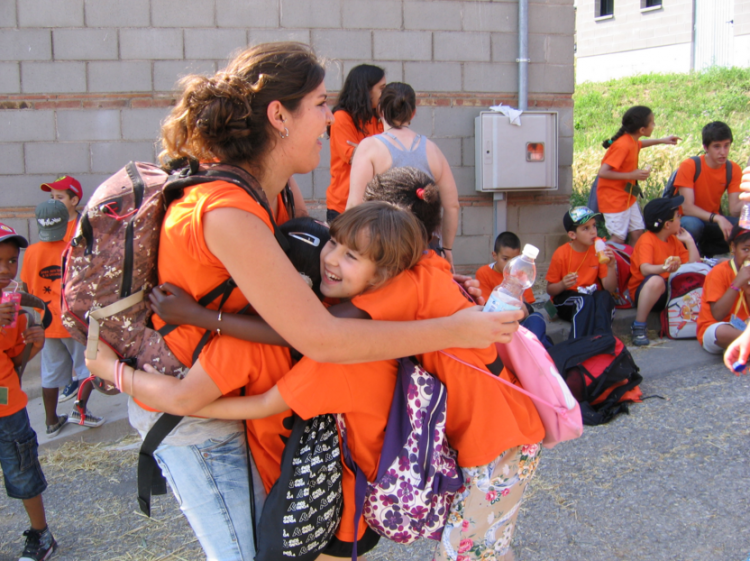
<point x="734" y="287"/>
<point x="119" y="369"/>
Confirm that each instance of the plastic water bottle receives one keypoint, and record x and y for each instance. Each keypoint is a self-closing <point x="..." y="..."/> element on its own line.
<point x="745" y="217"/>
<point x="519" y="274"/>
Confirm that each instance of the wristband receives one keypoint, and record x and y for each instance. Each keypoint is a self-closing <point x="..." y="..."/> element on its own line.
<point x="711" y="218"/>
<point x="734" y="287"/>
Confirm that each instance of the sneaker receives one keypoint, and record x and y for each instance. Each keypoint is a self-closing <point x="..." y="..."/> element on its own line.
<point x="640" y="337"/>
<point x="39" y="545"/>
<point x="69" y="392"/>
<point x="52" y="430"/>
<point x="89" y="420"/>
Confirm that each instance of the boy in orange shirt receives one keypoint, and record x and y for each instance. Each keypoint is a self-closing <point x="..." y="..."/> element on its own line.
<point x="659" y="252"/>
<point x="724" y="307"/>
<point x="41" y="273"/>
<point x="581" y="286"/>
<point x="68" y="191"/>
<point x="23" y="475"/>
<point x="508" y="246"/>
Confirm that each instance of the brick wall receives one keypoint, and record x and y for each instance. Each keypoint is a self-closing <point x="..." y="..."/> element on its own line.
<point x="84" y="84"/>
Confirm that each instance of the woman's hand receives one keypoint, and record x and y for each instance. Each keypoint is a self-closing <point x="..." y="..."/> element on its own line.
<point x="470" y="285"/>
<point x="477" y="329"/>
<point x="103" y="365"/>
<point x="34" y="336"/>
<point x="174" y="305"/>
<point x="738" y="351"/>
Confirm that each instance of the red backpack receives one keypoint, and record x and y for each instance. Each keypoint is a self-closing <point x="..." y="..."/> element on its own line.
<point x="623" y="253"/>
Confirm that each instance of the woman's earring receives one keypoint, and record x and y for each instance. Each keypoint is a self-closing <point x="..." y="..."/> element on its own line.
<point x="286" y="130"/>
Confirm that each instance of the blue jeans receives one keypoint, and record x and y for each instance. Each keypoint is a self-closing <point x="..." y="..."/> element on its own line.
<point x="18" y="457"/>
<point x="536" y="324"/>
<point x="210" y="483"/>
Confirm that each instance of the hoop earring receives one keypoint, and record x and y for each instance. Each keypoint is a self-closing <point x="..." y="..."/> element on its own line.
<point x="286" y="130"/>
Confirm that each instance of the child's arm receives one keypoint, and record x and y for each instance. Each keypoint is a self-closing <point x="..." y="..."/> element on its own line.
<point x="246" y="407"/>
<point x="610" y="281"/>
<point x="724" y="305"/>
<point x="567" y="282"/>
<point x="35" y="337"/>
<point x="693" y="254"/>
<point x="607" y="172"/>
<point x="645" y="143"/>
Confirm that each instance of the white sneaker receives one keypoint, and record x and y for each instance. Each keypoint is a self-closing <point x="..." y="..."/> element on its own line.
<point x="89" y="420"/>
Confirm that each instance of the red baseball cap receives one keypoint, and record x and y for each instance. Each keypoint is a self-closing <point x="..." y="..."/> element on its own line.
<point x="8" y="233"/>
<point x="63" y="184"/>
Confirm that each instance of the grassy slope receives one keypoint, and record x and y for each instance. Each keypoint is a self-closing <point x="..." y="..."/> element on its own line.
<point x="682" y="105"/>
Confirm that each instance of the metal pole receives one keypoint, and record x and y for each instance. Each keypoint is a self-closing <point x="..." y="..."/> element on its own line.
<point x="523" y="54"/>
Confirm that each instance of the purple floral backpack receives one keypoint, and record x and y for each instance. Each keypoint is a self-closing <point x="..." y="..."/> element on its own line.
<point x="418" y="473"/>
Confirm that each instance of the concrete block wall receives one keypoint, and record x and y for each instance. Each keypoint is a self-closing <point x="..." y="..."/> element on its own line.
<point x="85" y="83"/>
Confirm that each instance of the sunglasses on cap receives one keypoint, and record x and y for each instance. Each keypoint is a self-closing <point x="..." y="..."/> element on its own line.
<point x="581" y="214"/>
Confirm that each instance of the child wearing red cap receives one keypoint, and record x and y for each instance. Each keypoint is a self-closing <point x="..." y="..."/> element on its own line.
<point x="68" y="191"/>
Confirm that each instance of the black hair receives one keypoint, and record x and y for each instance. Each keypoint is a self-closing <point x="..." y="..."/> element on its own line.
<point x="716" y="131"/>
<point x="397" y="104"/>
<point x="304" y="255"/>
<point x="739" y="235"/>
<point x="633" y="120"/>
<point x="14" y="242"/>
<point x="354" y="97"/>
<point x="410" y="189"/>
<point x="507" y="239"/>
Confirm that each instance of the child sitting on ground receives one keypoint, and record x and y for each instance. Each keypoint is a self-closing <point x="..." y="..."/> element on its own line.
<point x="19" y="461"/>
<point x="42" y="273"/>
<point x="659" y="252"/>
<point x="724" y="307"/>
<point x="581" y="286"/>
<point x="508" y="246"/>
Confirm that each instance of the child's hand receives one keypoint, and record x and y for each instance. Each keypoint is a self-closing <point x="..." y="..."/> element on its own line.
<point x="684" y="236"/>
<point x="7" y="313"/>
<point x="641" y="174"/>
<point x="609" y="252"/>
<point x="743" y="277"/>
<point x="471" y="286"/>
<point x="34" y="335"/>
<point x="670" y="140"/>
<point x="569" y="280"/>
<point x="174" y="305"/>
<point x="103" y="365"/>
<point x="671" y="264"/>
<point x="738" y="351"/>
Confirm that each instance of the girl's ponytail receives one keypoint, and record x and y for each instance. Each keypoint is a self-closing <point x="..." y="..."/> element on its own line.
<point x="633" y="120"/>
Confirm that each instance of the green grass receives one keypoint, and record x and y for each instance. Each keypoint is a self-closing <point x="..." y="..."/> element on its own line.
<point x="682" y="105"/>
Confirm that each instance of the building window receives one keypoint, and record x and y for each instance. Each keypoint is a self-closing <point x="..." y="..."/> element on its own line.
<point x="650" y="4"/>
<point x="605" y="8"/>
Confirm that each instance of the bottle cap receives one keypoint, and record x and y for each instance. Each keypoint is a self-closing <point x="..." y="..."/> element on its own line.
<point x="530" y="251"/>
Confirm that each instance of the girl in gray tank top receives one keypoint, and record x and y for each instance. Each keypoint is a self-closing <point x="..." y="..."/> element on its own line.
<point x="415" y="157"/>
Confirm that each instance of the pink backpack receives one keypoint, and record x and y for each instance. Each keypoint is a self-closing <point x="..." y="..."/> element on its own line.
<point x="527" y="358"/>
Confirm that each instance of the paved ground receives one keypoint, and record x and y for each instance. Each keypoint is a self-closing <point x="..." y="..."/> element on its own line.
<point x="671" y="481"/>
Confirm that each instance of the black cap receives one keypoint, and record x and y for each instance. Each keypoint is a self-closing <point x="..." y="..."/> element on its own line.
<point x="658" y="211"/>
<point x="577" y="216"/>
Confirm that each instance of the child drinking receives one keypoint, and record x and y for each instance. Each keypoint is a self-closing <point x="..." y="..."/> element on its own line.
<point x="617" y="189"/>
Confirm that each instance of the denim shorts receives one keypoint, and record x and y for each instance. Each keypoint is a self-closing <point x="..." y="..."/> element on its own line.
<point x="210" y="482"/>
<point x="18" y="457"/>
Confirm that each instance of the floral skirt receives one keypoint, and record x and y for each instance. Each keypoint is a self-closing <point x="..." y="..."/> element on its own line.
<point x="483" y="515"/>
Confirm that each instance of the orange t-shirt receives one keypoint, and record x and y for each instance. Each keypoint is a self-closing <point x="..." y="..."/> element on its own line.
<point x="42" y="271"/>
<point x="649" y="249"/>
<point x="484" y="416"/>
<point x="711" y="184"/>
<point x="185" y="260"/>
<point x="343" y="130"/>
<point x="567" y="260"/>
<point x="11" y="345"/>
<point x="489" y="278"/>
<point x="716" y="284"/>
<point x="363" y="393"/>
<point x="71" y="230"/>
<point x="613" y="195"/>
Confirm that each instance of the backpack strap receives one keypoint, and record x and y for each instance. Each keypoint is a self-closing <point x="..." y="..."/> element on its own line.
<point x="360" y="481"/>
<point x="150" y="478"/>
<point x="729" y="173"/>
<point x="697" y="162"/>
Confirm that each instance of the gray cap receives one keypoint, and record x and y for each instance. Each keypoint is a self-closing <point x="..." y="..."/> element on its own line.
<point x="52" y="220"/>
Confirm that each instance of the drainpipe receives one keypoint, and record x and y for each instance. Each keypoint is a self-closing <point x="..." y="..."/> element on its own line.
<point x="523" y="54"/>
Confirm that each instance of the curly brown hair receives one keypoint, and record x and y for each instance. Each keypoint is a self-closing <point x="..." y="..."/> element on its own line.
<point x="401" y="187"/>
<point x="224" y="117"/>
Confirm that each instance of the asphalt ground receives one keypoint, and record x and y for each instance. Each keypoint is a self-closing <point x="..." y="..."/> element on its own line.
<point x="669" y="481"/>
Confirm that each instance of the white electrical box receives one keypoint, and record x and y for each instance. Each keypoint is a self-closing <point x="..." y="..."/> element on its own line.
<point x="516" y="158"/>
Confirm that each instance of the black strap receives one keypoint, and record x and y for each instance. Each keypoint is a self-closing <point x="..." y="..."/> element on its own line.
<point x="697" y="161"/>
<point x="150" y="478"/>
<point x="729" y="173"/>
